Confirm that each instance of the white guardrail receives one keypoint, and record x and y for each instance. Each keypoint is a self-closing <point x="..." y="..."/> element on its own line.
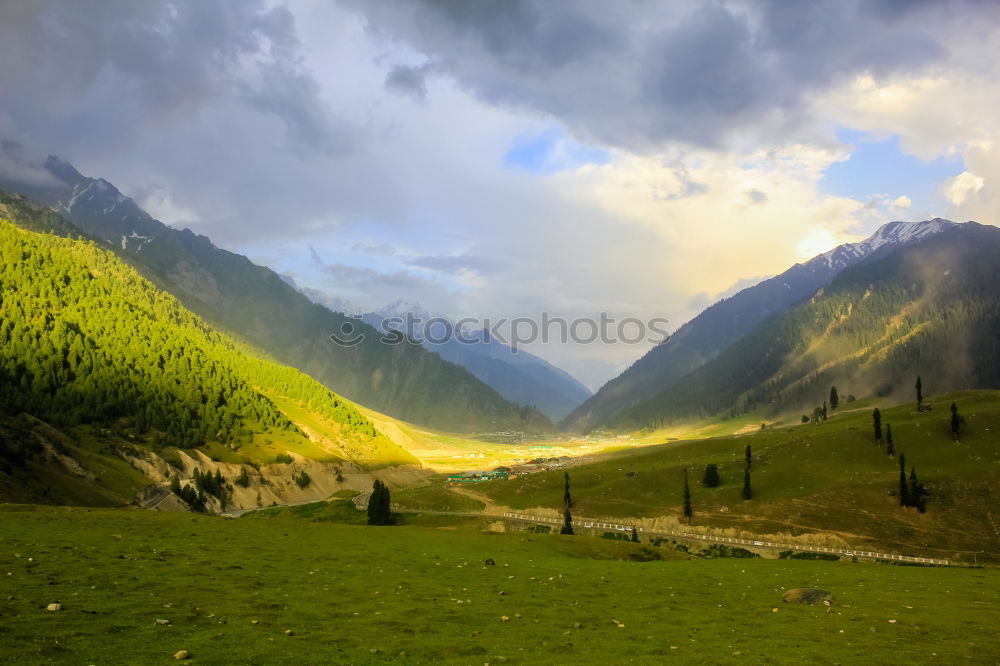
<point x="757" y="543"/>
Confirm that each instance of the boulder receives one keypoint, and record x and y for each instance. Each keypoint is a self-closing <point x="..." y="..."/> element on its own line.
<point x="54" y="607"/>
<point x="807" y="595"/>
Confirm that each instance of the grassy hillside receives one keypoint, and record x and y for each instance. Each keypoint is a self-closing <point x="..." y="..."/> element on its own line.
<point x="830" y="478"/>
<point x="100" y="358"/>
<point x="932" y="309"/>
<point x="288" y="592"/>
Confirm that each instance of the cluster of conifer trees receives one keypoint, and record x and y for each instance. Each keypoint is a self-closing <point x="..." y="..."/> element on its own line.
<point x="195" y="493"/>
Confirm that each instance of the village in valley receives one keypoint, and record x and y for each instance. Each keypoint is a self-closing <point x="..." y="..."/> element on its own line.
<point x="505" y="473"/>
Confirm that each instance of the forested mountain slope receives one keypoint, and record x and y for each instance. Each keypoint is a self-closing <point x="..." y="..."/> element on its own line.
<point x="88" y="347"/>
<point x="931" y="308"/>
<point x="254" y="303"/>
<point x="725" y="322"/>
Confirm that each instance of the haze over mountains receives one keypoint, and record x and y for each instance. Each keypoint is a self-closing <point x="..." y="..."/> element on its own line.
<point x="259" y="306"/>
<point x="929" y="307"/>
<point x="719" y="326"/>
<point x="494" y="388"/>
<point x="519" y="376"/>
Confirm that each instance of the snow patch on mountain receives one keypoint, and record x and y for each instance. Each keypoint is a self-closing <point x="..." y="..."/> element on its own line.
<point x="890" y="234"/>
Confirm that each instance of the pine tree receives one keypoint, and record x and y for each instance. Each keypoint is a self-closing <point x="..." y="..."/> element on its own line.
<point x="747" y="491"/>
<point x="834" y="398"/>
<point x="688" y="512"/>
<point x="635" y="536"/>
<point x="877" y="424"/>
<point x="379" y="512"/>
<point x="749" y="457"/>
<point x="920" y="392"/>
<point x="567" y="526"/>
<point x="888" y="439"/>
<point x="711" y="478"/>
<point x="904" y="493"/>
<point x="956" y="421"/>
<point x="175" y="485"/>
<point x="824" y="410"/>
<point x="567" y="498"/>
<point x="916" y="492"/>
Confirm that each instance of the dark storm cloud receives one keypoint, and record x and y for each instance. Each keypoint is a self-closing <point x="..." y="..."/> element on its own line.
<point x="637" y="74"/>
<point x="110" y="63"/>
<point x="408" y="80"/>
<point x="294" y="97"/>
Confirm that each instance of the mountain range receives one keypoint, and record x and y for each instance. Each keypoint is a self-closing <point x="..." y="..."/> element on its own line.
<point x="256" y="304"/>
<point x="107" y="383"/>
<point x="519" y="376"/>
<point x="718" y="327"/>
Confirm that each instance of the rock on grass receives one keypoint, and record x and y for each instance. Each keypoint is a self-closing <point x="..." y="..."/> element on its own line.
<point x="807" y="595"/>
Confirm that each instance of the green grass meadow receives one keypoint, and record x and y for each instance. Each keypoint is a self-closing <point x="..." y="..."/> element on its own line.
<point x="828" y="478"/>
<point x="231" y="589"/>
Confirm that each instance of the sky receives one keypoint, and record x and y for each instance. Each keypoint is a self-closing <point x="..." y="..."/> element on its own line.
<point x="508" y="159"/>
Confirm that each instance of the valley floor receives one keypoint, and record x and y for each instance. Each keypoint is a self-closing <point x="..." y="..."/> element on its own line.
<point x="137" y="587"/>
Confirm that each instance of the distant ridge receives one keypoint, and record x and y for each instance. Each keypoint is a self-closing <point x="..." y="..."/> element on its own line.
<point x="719" y="326"/>
<point x="255" y="303"/>
<point x="930" y="306"/>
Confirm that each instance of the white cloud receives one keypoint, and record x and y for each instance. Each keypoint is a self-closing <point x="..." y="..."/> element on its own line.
<point x="161" y="204"/>
<point x="962" y="187"/>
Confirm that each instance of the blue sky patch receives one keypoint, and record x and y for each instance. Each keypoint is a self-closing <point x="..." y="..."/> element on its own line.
<point x="552" y="151"/>
<point x="879" y="167"/>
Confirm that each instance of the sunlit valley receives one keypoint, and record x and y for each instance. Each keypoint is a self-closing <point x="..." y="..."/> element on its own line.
<point x="479" y="333"/>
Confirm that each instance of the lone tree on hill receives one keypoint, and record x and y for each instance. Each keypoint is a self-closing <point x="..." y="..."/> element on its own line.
<point x="916" y="497"/>
<point x="687" y="498"/>
<point x="711" y="478"/>
<point x="834" y="397"/>
<point x="379" y="512"/>
<point x="824" y="410"/>
<point x="904" y="493"/>
<point x="877" y="424"/>
<point x="567" y="526"/>
<point x="747" y="492"/>
<point x="749" y="457"/>
<point x="920" y="392"/>
<point x="888" y="439"/>
<point x="817" y="414"/>
<point x="956" y="421"/>
<point x="635" y="536"/>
